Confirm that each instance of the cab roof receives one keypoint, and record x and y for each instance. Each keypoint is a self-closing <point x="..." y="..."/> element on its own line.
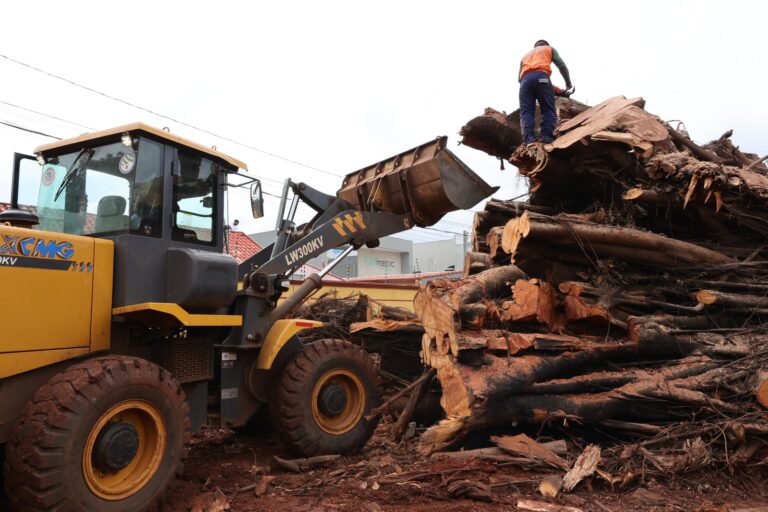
<point x="140" y="127"/>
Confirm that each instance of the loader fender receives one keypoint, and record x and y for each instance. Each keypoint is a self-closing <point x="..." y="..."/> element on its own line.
<point x="280" y="333"/>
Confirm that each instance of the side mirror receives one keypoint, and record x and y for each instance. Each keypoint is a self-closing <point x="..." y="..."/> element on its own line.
<point x="257" y="200"/>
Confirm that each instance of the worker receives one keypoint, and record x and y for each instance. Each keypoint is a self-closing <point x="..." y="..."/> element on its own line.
<point x="535" y="85"/>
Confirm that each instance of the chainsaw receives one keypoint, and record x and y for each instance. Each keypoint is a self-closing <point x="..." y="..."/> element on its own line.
<point x="563" y="93"/>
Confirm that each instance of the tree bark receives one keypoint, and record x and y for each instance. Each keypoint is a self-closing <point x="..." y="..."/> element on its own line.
<point x="625" y="243"/>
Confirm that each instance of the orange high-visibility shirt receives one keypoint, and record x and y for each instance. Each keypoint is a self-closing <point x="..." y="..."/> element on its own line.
<point x="538" y="59"/>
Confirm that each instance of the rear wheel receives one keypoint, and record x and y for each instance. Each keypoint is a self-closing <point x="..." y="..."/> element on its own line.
<point x="322" y="398"/>
<point x="106" y="434"/>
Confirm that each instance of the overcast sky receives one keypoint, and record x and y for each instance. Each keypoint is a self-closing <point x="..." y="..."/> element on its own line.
<point x="340" y="85"/>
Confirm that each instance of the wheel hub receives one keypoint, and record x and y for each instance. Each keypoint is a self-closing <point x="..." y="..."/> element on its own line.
<point x="332" y="399"/>
<point x="338" y="401"/>
<point x="115" y="447"/>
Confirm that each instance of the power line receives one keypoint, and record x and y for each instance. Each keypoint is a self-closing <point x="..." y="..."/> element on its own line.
<point x="47" y="115"/>
<point x="444" y="231"/>
<point x="6" y="123"/>
<point x="149" y="111"/>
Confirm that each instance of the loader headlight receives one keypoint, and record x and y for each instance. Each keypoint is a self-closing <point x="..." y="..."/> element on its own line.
<point x="40" y="159"/>
<point x="126" y="140"/>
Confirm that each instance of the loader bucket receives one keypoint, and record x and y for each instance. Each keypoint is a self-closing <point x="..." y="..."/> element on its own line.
<point x="427" y="181"/>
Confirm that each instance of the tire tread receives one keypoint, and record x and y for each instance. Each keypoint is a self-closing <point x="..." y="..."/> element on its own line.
<point x="34" y="453"/>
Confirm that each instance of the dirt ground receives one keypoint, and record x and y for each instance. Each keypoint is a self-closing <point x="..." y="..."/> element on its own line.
<point x="238" y="471"/>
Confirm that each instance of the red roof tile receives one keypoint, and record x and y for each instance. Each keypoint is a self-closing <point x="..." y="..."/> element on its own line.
<point x="241" y="246"/>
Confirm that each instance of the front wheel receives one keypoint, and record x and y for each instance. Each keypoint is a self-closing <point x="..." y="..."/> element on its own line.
<point x="323" y="397"/>
<point x="106" y="434"/>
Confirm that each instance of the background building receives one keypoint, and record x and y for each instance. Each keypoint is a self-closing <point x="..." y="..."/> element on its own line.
<point x="440" y="256"/>
<point x="393" y="256"/>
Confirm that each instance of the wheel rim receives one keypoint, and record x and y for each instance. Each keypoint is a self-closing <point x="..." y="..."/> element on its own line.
<point x="152" y="437"/>
<point x="351" y="412"/>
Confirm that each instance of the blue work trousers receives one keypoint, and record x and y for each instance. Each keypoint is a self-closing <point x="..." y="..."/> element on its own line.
<point x="534" y="87"/>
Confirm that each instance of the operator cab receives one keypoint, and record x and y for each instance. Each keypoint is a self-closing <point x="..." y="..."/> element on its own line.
<point x="156" y="195"/>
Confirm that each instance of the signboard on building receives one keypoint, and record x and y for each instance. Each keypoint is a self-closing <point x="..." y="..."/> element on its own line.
<point x="378" y="262"/>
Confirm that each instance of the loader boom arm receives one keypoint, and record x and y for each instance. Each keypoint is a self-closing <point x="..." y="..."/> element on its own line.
<point x="414" y="188"/>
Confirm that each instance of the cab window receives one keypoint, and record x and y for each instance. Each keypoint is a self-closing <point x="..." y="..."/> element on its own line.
<point x="147" y="196"/>
<point x="194" y="198"/>
<point x="103" y="190"/>
<point x="85" y="193"/>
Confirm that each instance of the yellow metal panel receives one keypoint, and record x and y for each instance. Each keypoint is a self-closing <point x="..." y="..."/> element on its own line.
<point x="15" y="363"/>
<point x="148" y="312"/>
<point x="101" y="319"/>
<point x="47" y="281"/>
<point x="278" y="335"/>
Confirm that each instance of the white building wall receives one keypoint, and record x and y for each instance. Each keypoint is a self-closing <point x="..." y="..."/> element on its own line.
<point x="439" y="256"/>
<point x="378" y="262"/>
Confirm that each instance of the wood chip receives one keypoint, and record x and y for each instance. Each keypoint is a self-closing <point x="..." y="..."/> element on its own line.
<point x="263" y="486"/>
<point x="584" y="466"/>
<point x="524" y="446"/>
<point x="211" y="501"/>
<point x="543" y="506"/>
<point x="550" y="486"/>
<point x="469" y="489"/>
<point x="301" y="465"/>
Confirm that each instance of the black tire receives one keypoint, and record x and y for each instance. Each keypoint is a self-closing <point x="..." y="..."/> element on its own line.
<point x="45" y="466"/>
<point x="291" y="406"/>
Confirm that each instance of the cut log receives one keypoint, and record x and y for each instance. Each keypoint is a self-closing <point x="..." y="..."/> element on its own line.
<point x="493" y="132"/>
<point x="631" y="244"/>
<point x="476" y="262"/>
<point x="532" y="300"/>
<point x="439" y="308"/>
<point x="710" y="297"/>
<point x="650" y="196"/>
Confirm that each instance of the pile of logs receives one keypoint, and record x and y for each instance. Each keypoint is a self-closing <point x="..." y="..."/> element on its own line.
<point x="628" y="295"/>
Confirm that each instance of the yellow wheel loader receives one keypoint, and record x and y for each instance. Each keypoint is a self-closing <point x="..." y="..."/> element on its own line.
<point x="126" y="325"/>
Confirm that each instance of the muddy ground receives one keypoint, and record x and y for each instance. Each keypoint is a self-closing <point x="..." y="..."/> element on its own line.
<point x="238" y="471"/>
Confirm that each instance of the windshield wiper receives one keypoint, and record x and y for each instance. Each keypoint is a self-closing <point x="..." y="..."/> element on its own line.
<point x="73" y="169"/>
